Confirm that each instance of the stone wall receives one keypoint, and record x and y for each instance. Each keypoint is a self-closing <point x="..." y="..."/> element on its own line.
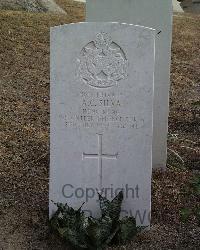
<point x="31" y="5"/>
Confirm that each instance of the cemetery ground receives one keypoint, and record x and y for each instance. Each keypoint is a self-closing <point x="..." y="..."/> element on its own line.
<point x="24" y="116"/>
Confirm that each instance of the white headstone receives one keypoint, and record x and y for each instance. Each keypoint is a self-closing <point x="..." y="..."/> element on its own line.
<point x="101" y="116"/>
<point x="158" y="15"/>
<point x="176" y="6"/>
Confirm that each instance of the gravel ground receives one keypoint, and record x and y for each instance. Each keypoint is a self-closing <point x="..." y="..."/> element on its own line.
<point x="24" y="144"/>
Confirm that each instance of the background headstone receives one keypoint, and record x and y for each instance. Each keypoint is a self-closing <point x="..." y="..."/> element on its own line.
<point x="176" y="6"/>
<point x="101" y="116"/>
<point x="156" y="14"/>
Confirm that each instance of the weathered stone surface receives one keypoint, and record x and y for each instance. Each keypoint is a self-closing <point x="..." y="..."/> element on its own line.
<point x="101" y="115"/>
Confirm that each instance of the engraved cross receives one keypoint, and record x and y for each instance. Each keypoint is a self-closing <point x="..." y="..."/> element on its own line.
<point x="100" y="156"/>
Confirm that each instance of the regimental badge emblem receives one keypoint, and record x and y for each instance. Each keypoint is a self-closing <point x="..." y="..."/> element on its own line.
<point x="102" y="62"/>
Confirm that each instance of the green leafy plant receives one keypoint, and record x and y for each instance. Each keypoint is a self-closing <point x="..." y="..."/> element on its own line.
<point x="90" y="233"/>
